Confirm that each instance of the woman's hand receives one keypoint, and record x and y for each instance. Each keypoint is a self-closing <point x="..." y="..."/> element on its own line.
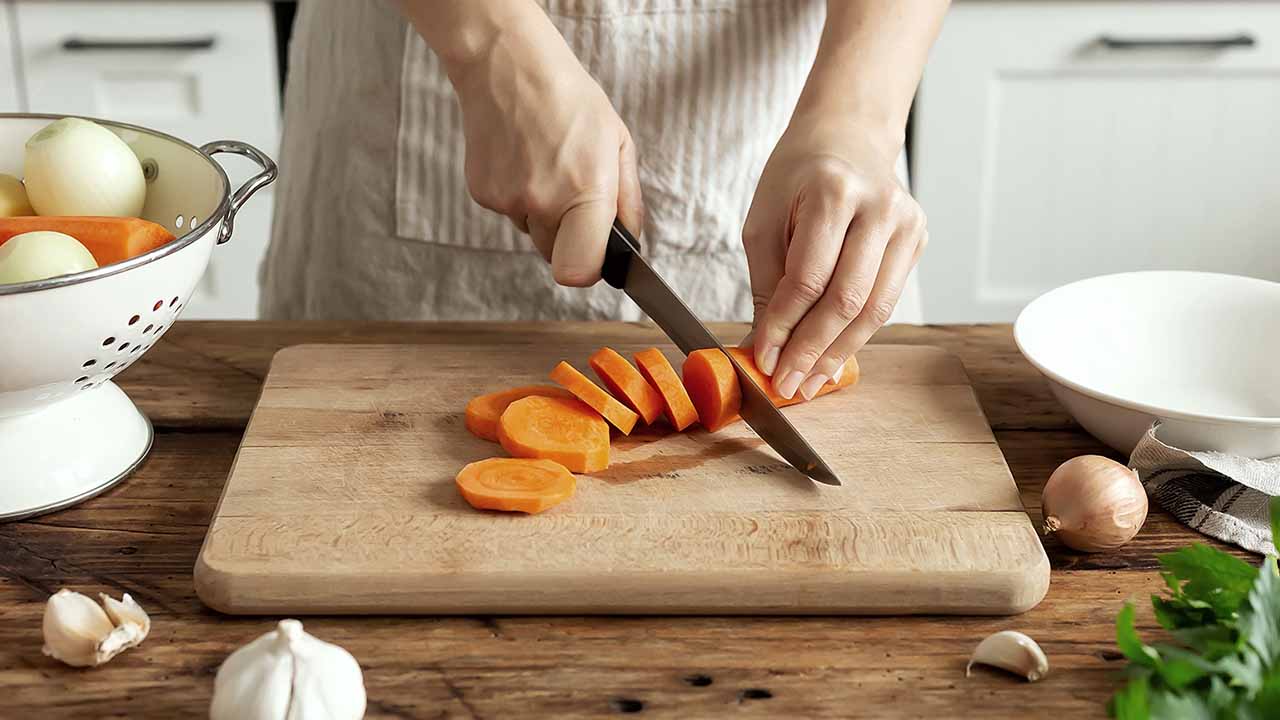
<point x="830" y="239"/>
<point x="544" y="145"/>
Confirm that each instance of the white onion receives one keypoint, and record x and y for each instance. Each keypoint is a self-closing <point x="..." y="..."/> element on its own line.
<point x="77" y="167"/>
<point x="42" y="254"/>
<point x="13" y="197"/>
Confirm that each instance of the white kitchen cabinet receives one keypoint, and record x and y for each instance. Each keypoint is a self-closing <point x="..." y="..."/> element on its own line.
<point x="1060" y="140"/>
<point x="10" y="95"/>
<point x="200" y="71"/>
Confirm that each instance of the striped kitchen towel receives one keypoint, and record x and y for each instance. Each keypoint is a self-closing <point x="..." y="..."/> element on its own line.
<point x="1222" y="496"/>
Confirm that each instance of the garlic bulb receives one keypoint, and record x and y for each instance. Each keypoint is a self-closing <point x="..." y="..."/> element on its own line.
<point x="82" y="633"/>
<point x="1093" y="503"/>
<point x="1012" y="651"/>
<point x="287" y="674"/>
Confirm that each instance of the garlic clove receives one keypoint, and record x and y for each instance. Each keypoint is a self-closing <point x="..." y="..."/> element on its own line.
<point x="126" y="611"/>
<point x="291" y="675"/>
<point x="82" y="633"/>
<point x="1012" y="651"/>
<point x="73" y="626"/>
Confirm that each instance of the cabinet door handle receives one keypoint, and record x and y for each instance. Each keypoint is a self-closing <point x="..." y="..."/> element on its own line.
<point x="79" y="44"/>
<point x="1113" y="42"/>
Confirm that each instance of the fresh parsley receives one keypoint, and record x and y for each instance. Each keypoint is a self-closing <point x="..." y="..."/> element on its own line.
<point x="1225" y="616"/>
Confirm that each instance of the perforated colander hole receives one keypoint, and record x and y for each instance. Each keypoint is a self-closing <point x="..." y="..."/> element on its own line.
<point x="136" y="349"/>
<point x="108" y="366"/>
<point x="89" y="363"/>
<point x="150" y="170"/>
<point x="147" y="329"/>
<point x="123" y="346"/>
<point x="193" y="221"/>
<point x="86" y="386"/>
<point x="134" y="320"/>
<point x="178" y="221"/>
<point x="159" y="330"/>
<point x="174" y="301"/>
<point x="81" y="379"/>
<point x="108" y="341"/>
<point x="159" y="304"/>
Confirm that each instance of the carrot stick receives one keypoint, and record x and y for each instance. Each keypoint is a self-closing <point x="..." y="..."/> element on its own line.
<point x="746" y="359"/>
<point x="519" y="485"/>
<point x="109" y="239"/>
<point x="484" y="410"/>
<point x="627" y="384"/>
<point x="552" y="428"/>
<point x="657" y="370"/>
<point x="591" y="394"/>
<point x="713" y="386"/>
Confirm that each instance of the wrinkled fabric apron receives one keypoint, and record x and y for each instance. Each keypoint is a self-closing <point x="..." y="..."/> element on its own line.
<point x="373" y="219"/>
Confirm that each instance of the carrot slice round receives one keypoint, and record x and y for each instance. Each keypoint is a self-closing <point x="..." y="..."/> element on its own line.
<point x="747" y="360"/>
<point x="627" y="384"/>
<point x="552" y="428"/>
<point x="591" y="394"/>
<point x="484" y="410"/>
<point x="657" y="370"/>
<point x="712" y="384"/>
<point x="515" y="484"/>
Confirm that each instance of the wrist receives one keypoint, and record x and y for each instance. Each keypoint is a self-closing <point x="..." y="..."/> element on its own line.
<point x="467" y="35"/>
<point x="845" y="127"/>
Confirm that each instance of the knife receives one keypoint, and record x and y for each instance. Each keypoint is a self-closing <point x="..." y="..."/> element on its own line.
<point x="625" y="269"/>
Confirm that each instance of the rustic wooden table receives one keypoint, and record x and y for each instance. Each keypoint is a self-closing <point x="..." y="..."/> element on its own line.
<point x="198" y="386"/>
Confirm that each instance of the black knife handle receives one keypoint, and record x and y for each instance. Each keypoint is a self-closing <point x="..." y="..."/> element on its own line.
<point x="617" y="255"/>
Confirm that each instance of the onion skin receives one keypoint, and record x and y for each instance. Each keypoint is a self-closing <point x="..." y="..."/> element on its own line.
<point x="1094" y="504"/>
<point x="77" y="167"/>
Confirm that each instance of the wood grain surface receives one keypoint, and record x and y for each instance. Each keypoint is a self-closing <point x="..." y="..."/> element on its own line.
<point x="199" y="385"/>
<point x="342" y="500"/>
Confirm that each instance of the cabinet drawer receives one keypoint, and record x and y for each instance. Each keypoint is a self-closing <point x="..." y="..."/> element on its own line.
<point x="191" y="68"/>
<point x="1056" y="141"/>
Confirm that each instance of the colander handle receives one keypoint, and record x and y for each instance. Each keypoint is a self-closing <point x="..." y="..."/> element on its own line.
<point x="250" y="186"/>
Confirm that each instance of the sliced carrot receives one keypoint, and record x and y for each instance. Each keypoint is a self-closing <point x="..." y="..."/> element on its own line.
<point x="591" y="394"/>
<point x="627" y="384"/>
<point x="675" y="399"/>
<point x="565" y="430"/>
<point x="712" y="384"/>
<point x="109" y="239"/>
<point x="747" y="360"/>
<point x="484" y="410"/>
<point x="515" y="484"/>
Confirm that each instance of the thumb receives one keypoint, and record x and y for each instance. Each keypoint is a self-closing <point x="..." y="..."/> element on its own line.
<point x="580" y="242"/>
<point x="630" y="203"/>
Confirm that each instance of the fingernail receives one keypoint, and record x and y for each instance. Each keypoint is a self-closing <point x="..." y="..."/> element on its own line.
<point x="839" y="374"/>
<point x="787" y="388"/>
<point x="769" y="361"/>
<point x="811" y="386"/>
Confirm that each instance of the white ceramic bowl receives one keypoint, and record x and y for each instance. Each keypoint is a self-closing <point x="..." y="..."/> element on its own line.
<point x="66" y="431"/>
<point x="1198" y="351"/>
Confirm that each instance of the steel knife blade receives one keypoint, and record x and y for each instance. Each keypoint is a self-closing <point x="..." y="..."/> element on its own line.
<point x="626" y="269"/>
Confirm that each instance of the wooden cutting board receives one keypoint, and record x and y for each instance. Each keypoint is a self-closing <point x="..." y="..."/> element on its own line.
<point x="342" y="500"/>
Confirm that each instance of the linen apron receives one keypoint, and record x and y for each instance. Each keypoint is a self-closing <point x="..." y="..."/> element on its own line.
<point x="373" y="219"/>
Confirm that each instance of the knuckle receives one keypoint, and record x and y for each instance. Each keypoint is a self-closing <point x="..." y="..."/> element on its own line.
<point x="848" y="302"/>
<point x="806" y="356"/>
<point x="880" y="312"/>
<point x="808" y="288"/>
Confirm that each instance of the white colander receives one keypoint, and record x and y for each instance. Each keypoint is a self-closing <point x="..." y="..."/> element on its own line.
<point x="66" y="431"/>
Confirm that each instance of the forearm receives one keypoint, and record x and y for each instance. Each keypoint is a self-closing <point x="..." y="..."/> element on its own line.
<point x="869" y="63"/>
<point x="463" y="33"/>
